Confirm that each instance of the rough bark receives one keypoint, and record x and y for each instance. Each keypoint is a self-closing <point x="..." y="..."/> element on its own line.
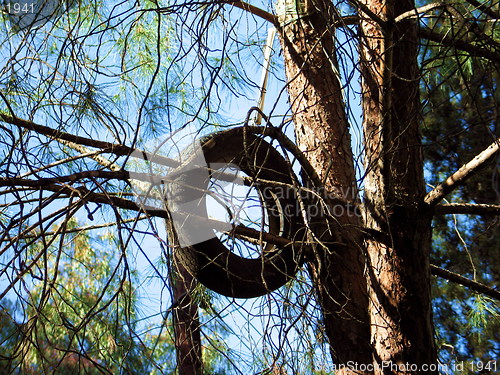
<point x="399" y="276"/>
<point x="186" y="324"/>
<point x="399" y="306"/>
<point x="322" y="134"/>
<point x="187" y="333"/>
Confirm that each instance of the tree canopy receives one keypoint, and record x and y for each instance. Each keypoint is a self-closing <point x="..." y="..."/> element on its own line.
<point x="379" y="129"/>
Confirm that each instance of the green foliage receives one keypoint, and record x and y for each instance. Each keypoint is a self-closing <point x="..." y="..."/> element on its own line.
<point x="82" y="319"/>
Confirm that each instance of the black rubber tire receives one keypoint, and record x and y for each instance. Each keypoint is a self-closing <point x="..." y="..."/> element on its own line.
<point x="211" y="262"/>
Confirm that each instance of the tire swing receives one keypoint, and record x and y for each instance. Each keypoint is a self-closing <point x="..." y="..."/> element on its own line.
<point x="210" y="261"/>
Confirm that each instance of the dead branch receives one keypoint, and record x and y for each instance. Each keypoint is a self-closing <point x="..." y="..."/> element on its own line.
<point x="415" y="13"/>
<point x="444" y="188"/>
<point x="342" y="21"/>
<point x="255" y="11"/>
<point x="106" y="147"/>
<point x="459" y="279"/>
<point x="474" y="50"/>
<point x="105" y="198"/>
<point x="468" y="208"/>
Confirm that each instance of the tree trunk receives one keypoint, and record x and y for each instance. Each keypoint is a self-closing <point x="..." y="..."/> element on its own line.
<point x="322" y="134"/>
<point x="400" y="300"/>
<point x="375" y="293"/>
<point x="187" y="334"/>
<point x="186" y="324"/>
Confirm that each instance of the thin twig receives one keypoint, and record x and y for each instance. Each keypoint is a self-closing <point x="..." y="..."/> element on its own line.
<point x="485" y="9"/>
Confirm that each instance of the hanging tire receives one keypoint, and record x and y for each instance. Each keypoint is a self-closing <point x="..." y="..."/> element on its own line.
<point x="210" y="261"/>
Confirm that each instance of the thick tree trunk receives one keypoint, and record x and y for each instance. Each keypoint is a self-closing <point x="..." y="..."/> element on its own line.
<point x="375" y="294"/>
<point x="400" y="305"/>
<point x="322" y="133"/>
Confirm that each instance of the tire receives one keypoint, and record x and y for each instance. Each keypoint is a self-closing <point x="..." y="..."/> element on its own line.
<point x="210" y="261"/>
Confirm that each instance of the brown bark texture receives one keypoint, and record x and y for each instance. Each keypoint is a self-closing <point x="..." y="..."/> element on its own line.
<point x="375" y="294"/>
<point x="187" y="332"/>
<point x="399" y="276"/>
<point x="186" y="323"/>
<point x="322" y="133"/>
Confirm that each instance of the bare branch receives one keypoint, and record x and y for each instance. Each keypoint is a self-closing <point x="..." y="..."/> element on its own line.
<point x="459" y="279"/>
<point x="95" y="156"/>
<point x="416" y="12"/>
<point x="439" y="192"/>
<point x="105" y="198"/>
<point x="485" y="9"/>
<point x="468" y="208"/>
<point x="37" y="235"/>
<point x="475" y="50"/>
<point x="106" y="147"/>
<point x="423" y="32"/>
<point x="256" y="11"/>
<point x="342" y="21"/>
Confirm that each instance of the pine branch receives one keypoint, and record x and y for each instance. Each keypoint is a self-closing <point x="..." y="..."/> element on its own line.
<point x="76" y="142"/>
<point x="105" y="198"/>
<point x="342" y="21"/>
<point x="459" y="279"/>
<point x="42" y="182"/>
<point x="451" y="183"/>
<point x="78" y="229"/>
<point x="468" y="208"/>
<point x="414" y="13"/>
<point x="473" y="49"/>
<point x="484" y="8"/>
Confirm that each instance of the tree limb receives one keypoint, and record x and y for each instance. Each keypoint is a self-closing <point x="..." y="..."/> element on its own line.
<point x="239" y="230"/>
<point x="73" y="141"/>
<point x="422" y="32"/>
<point x="106" y="198"/>
<point x="475" y="50"/>
<point x="459" y="279"/>
<point x="342" y="21"/>
<point x="76" y="230"/>
<point x="485" y="9"/>
<point x="444" y="188"/>
<point x="255" y="11"/>
<point x="106" y="147"/>
<point x="468" y="208"/>
<point x="414" y="13"/>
